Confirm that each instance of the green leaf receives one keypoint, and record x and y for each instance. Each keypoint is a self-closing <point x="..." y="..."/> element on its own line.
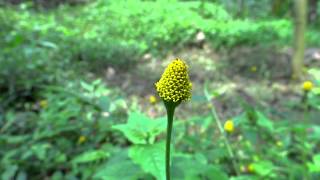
<point x="87" y="86"/>
<point x="90" y="156"/>
<point x="40" y="150"/>
<point x="119" y="166"/>
<point x="314" y="167"/>
<point x="140" y="129"/>
<point x="104" y="103"/>
<point x="244" y="177"/>
<point x="9" y="172"/>
<point x="150" y="158"/>
<point x="214" y="172"/>
<point x="22" y="176"/>
<point x="263" y="168"/>
<point x="192" y="168"/>
<point x="264" y="121"/>
<point x="17" y="139"/>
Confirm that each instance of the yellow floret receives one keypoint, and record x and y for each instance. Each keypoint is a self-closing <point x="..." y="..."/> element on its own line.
<point x="307" y="85"/>
<point x="279" y="143"/>
<point x="253" y="68"/>
<point x="43" y="103"/>
<point x="228" y="126"/>
<point x="175" y="85"/>
<point x="82" y="139"/>
<point x="152" y="99"/>
<point x="251" y="168"/>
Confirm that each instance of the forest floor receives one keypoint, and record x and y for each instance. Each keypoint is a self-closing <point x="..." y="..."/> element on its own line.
<point x="259" y="77"/>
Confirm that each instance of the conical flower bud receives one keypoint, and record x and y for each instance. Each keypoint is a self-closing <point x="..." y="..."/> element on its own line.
<point x="174" y="85"/>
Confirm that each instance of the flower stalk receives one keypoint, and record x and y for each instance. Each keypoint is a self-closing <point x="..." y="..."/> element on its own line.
<point x="173" y="88"/>
<point x="170" y="107"/>
<point x="225" y="139"/>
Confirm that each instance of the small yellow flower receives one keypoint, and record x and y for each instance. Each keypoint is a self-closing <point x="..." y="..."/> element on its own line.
<point x="307" y="85"/>
<point x="152" y="99"/>
<point x="174" y="84"/>
<point x="253" y="69"/>
<point x="229" y="126"/>
<point x="279" y="143"/>
<point x="82" y="139"/>
<point x="251" y="168"/>
<point x="43" y="103"/>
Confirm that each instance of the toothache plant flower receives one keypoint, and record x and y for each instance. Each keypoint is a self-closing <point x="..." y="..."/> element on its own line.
<point x="307" y="86"/>
<point x="229" y="126"/>
<point x="173" y="88"/>
<point x="174" y="85"/>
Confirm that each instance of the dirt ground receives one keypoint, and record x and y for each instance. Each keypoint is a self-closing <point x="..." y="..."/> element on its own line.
<point x="256" y="76"/>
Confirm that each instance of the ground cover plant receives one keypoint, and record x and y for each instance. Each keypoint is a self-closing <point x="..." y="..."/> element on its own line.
<point x="81" y="95"/>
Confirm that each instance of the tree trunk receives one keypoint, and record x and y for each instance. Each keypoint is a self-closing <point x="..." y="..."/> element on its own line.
<point x="300" y="16"/>
<point x="312" y="14"/>
<point x="280" y="7"/>
<point x="241" y="9"/>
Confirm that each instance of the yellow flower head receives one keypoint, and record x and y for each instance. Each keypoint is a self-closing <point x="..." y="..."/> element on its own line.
<point x="152" y="99"/>
<point x="82" y="139"/>
<point x="175" y="85"/>
<point x="279" y="143"/>
<point x="228" y="126"/>
<point x="307" y="85"/>
<point x="253" y="68"/>
<point x="43" y="103"/>
<point x="251" y="168"/>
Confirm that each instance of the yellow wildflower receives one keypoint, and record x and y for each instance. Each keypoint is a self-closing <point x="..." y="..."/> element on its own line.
<point x="307" y="85"/>
<point x="82" y="139"/>
<point x="253" y="68"/>
<point x="174" y="84"/>
<point x="229" y="126"/>
<point x="152" y="99"/>
<point x="43" y="103"/>
<point x="279" y="143"/>
<point x="251" y="168"/>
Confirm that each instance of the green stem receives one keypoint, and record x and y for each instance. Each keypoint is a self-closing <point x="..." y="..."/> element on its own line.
<point x="225" y="139"/>
<point x="170" y="112"/>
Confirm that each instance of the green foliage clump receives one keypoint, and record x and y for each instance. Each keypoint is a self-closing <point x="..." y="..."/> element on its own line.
<point x="56" y="125"/>
<point x="63" y="131"/>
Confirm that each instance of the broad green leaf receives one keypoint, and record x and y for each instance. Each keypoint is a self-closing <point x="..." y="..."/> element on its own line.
<point x="214" y="172"/>
<point x="264" y="122"/>
<point x="17" y="139"/>
<point x="90" y="156"/>
<point x="9" y="172"/>
<point x="150" y="158"/>
<point x="40" y="150"/>
<point x="140" y="129"/>
<point x="118" y="167"/>
<point x="244" y="177"/>
<point x="96" y="82"/>
<point x="22" y="176"/>
<point x="315" y="73"/>
<point x="191" y="168"/>
<point x="316" y="133"/>
<point x="314" y="167"/>
<point x="104" y="103"/>
<point x="87" y="86"/>
<point x="263" y="168"/>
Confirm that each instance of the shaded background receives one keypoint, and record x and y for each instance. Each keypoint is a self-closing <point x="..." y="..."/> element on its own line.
<point x="77" y="97"/>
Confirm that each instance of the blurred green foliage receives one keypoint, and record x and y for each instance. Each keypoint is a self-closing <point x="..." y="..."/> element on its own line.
<point x="59" y="122"/>
<point x="42" y="45"/>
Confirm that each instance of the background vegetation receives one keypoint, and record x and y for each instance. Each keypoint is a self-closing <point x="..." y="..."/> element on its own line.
<point x="77" y="97"/>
